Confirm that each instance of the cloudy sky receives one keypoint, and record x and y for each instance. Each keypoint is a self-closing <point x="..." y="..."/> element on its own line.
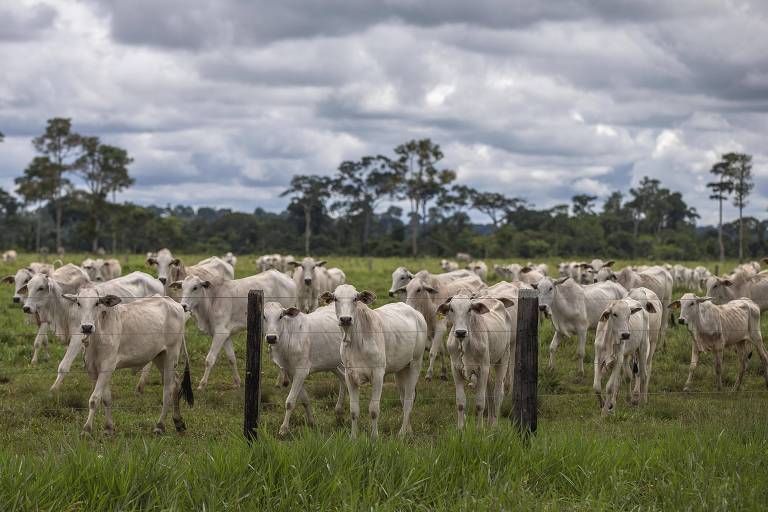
<point x="221" y="101"/>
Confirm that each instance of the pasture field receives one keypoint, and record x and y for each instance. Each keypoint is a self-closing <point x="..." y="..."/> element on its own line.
<point x="701" y="450"/>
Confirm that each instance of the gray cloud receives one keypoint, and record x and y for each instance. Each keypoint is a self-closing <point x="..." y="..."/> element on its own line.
<point x="19" y="24"/>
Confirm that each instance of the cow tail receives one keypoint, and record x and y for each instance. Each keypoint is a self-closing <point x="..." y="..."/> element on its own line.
<point x="186" y="381"/>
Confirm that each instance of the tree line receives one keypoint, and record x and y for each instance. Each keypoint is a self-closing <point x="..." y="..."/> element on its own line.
<point x="406" y="203"/>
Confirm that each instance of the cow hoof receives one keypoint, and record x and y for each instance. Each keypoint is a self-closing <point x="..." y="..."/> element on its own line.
<point x="428" y="377"/>
<point x="180" y="426"/>
<point x="443" y="377"/>
<point x="235" y="385"/>
<point x="159" y="429"/>
<point x="283" y="432"/>
<point x="109" y="431"/>
<point x="86" y="433"/>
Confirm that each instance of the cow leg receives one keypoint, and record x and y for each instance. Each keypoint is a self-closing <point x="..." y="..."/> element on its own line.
<point x="556" y="339"/>
<point x="297" y="382"/>
<point x="339" y="408"/>
<point x="109" y="424"/>
<point x="407" y="379"/>
<point x="143" y="378"/>
<point x="218" y="341"/>
<point x="102" y="382"/>
<point x="741" y="350"/>
<point x="178" y="421"/>
<point x="306" y="402"/>
<point x="597" y="383"/>
<point x="41" y="340"/>
<point x="612" y="388"/>
<point x="354" y="401"/>
<point x="461" y="396"/>
<point x="374" y="407"/>
<point x="581" y="351"/>
<point x="498" y="390"/>
<point x="719" y="367"/>
<point x="229" y="348"/>
<point x="166" y="367"/>
<point x="757" y="343"/>
<point x="480" y="392"/>
<point x="692" y="367"/>
<point x="73" y="349"/>
<point x="441" y="327"/>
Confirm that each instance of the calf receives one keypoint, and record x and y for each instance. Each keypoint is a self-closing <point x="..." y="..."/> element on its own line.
<point x="574" y="309"/>
<point x="148" y="330"/>
<point x="723" y="290"/>
<point x="221" y="309"/>
<point x="622" y="335"/>
<point x="479" y="340"/>
<point x="389" y="339"/>
<point x="311" y="279"/>
<point x="715" y="327"/>
<point x="304" y="343"/>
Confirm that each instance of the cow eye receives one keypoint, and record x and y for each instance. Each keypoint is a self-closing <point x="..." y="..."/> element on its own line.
<point x="41" y="289"/>
<point x="615" y="315"/>
<point x="194" y="288"/>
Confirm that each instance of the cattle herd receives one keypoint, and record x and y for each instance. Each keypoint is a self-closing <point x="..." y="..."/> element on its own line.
<point x="316" y="322"/>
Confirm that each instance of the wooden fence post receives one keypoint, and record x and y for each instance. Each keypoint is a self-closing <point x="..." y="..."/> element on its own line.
<point x="253" y="364"/>
<point x="526" y="376"/>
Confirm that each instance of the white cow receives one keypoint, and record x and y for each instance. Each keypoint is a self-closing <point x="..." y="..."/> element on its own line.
<point x="169" y="269"/>
<point x="723" y="290"/>
<point x="574" y="309"/>
<point x="23" y="275"/>
<point x="509" y="272"/>
<point x="716" y="327"/>
<point x="104" y="270"/>
<point x="425" y="293"/>
<point x="304" y="343"/>
<point x="448" y="266"/>
<point x="700" y="276"/>
<point x="479" y="340"/>
<point x="508" y="293"/>
<point x="389" y="339"/>
<point x="50" y="301"/>
<point x="230" y="258"/>
<point x="402" y="276"/>
<point x="621" y="337"/>
<point x="530" y="275"/>
<point x="67" y="279"/>
<point x="132" y="335"/>
<point x="337" y="277"/>
<point x="651" y="303"/>
<point x="221" y="309"/>
<point x="9" y="256"/>
<point x="479" y="268"/>
<point x="311" y="279"/>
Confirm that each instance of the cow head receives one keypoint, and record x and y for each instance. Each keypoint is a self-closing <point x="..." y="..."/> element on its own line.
<point x="38" y="292"/>
<point x="400" y="278"/>
<point x="418" y="293"/>
<point x="346" y="300"/>
<point x="458" y="310"/>
<point x="19" y="280"/>
<point x="193" y="291"/>
<point x="164" y="262"/>
<point x="274" y="315"/>
<point x="89" y="304"/>
<point x="688" y="305"/>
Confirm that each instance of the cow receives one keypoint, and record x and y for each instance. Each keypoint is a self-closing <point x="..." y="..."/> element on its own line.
<point x="230" y="258"/>
<point x="531" y="276"/>
<point x="425" y="293"/>
<point x="463" y="257"/>
<point x="388" y="339"/>
<point x="509" y="272"/>
<point x="270" y="262"/>
<point x="448" y="266"/>
<point x="715" y="327"/>
<point x="508" y="292"/>
<point x="337" y="277"/>
<point x="723" y="289"/>
<point x="311" y="279"/>
<point x="402" y="276"/>
<point x="68" y="279"/>
<point x="651" y="303"/>
<point x="169" y="269"/>
<point x="574" y="309"/>
<point x="23" y="275"/>
<point x="479" y="268"/>
<point x="700" y="276"/>
<point x="542" y="268"/>
<point x="9" y="256"/>
<point x="117" y="335"/>
<point x="106" y="270"/>
<point x="51" y="302"/>
<point x="621" y="336"/>
<point x="221" y="309"/>
<point x="479" y="341"/>
<point x="304" y="343"/>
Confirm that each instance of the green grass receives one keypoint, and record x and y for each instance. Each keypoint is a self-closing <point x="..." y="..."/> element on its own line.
<point x="700" y="450"/>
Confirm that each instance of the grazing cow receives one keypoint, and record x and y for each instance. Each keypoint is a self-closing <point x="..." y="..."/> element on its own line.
<point x="621" y="337"/>
<point x="221" y="309"/>
<point x="716" y="327"/>
<point x="132" y="335"/>
<point x="479" y="341"/>
<point x="304" y="343"/>
<point x="574" y="309"/>
<point x="425" y="293"/>
<point x="402" y="276"/>
<point x="230" y="258"/>
<point x="106" y="270"/>
<point x="389" y="339"/>
<point x="312" y="279"/>
<point x="479" y="268"/>
<point x="9" y="256"/>
<point x="463" y="257"/>
<point x="54" y="304"/>
<point x="67" y="279"/>
<point x="448" y="266"/>
<point x="529" y="275"/>
<point x="723" y="289"/>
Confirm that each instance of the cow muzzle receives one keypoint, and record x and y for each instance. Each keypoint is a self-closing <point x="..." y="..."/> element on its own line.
<point x="87" y="328"/>
<point x="345" y="321"/>
<point x="542" y="308"/>
<point x="681" y="321"/>
<point x="27" y="309"/>
<point x="460" y="333"/>
<point x="16" y="300"/>
<point x="391" y="293"/>
<point x="308" y="282"/>
<point x="624" y="336"/>
<point x="185" y="306"/>
<point x="162" y="280"/>
<point x="271" y="339"/>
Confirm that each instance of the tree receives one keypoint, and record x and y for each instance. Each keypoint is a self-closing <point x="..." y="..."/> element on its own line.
<point x="308" y="191"/>
<point x="362" y="186"/>
<point x="496" y="206"/>
<point x="420" y="181"/>
<point x="720" y="191"/>
<point x="740" y="171"/>
<point x="104" y="169"/>
<point x="583" y="204"/>
<point x="58" y="145"/>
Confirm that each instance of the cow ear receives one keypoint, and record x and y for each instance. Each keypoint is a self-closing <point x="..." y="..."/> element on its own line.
<point x="110" y="300"/>
<point x="151" y="261"/>
<point x="292" y="312"/>
<point x="9" y="279"/>
<point x="727" y="282"/>
<point x="613" y="277"/>
<point x="702" y="299"/>
<point x="69" y="297"/>
<point x="444" y="308"/>
<point x="294" y="264"/>
<point x="508" y="303"/>
<point x="649" y="307"/>
<point x="326" y="298"/>
<point x="632" y="311"/>
<point x="431" y="290"/>
<point x="106" y="263"/>
<point x="609" y="263"/>
<point x="479" y="308"/>
<point x="366" y="297"/>
<point x="605" y="316"/>
<point x="525" y="270"/>
<point x="320" y="263"/>
<point x="176" y="285"/>
<point x="562" y="280"/>
<point x="176" y="261"/>
<point x="535" y="286"/>
<point x="23" y="290"/>
<point x="206" y="284"/>
<point x="674" y="304"/>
